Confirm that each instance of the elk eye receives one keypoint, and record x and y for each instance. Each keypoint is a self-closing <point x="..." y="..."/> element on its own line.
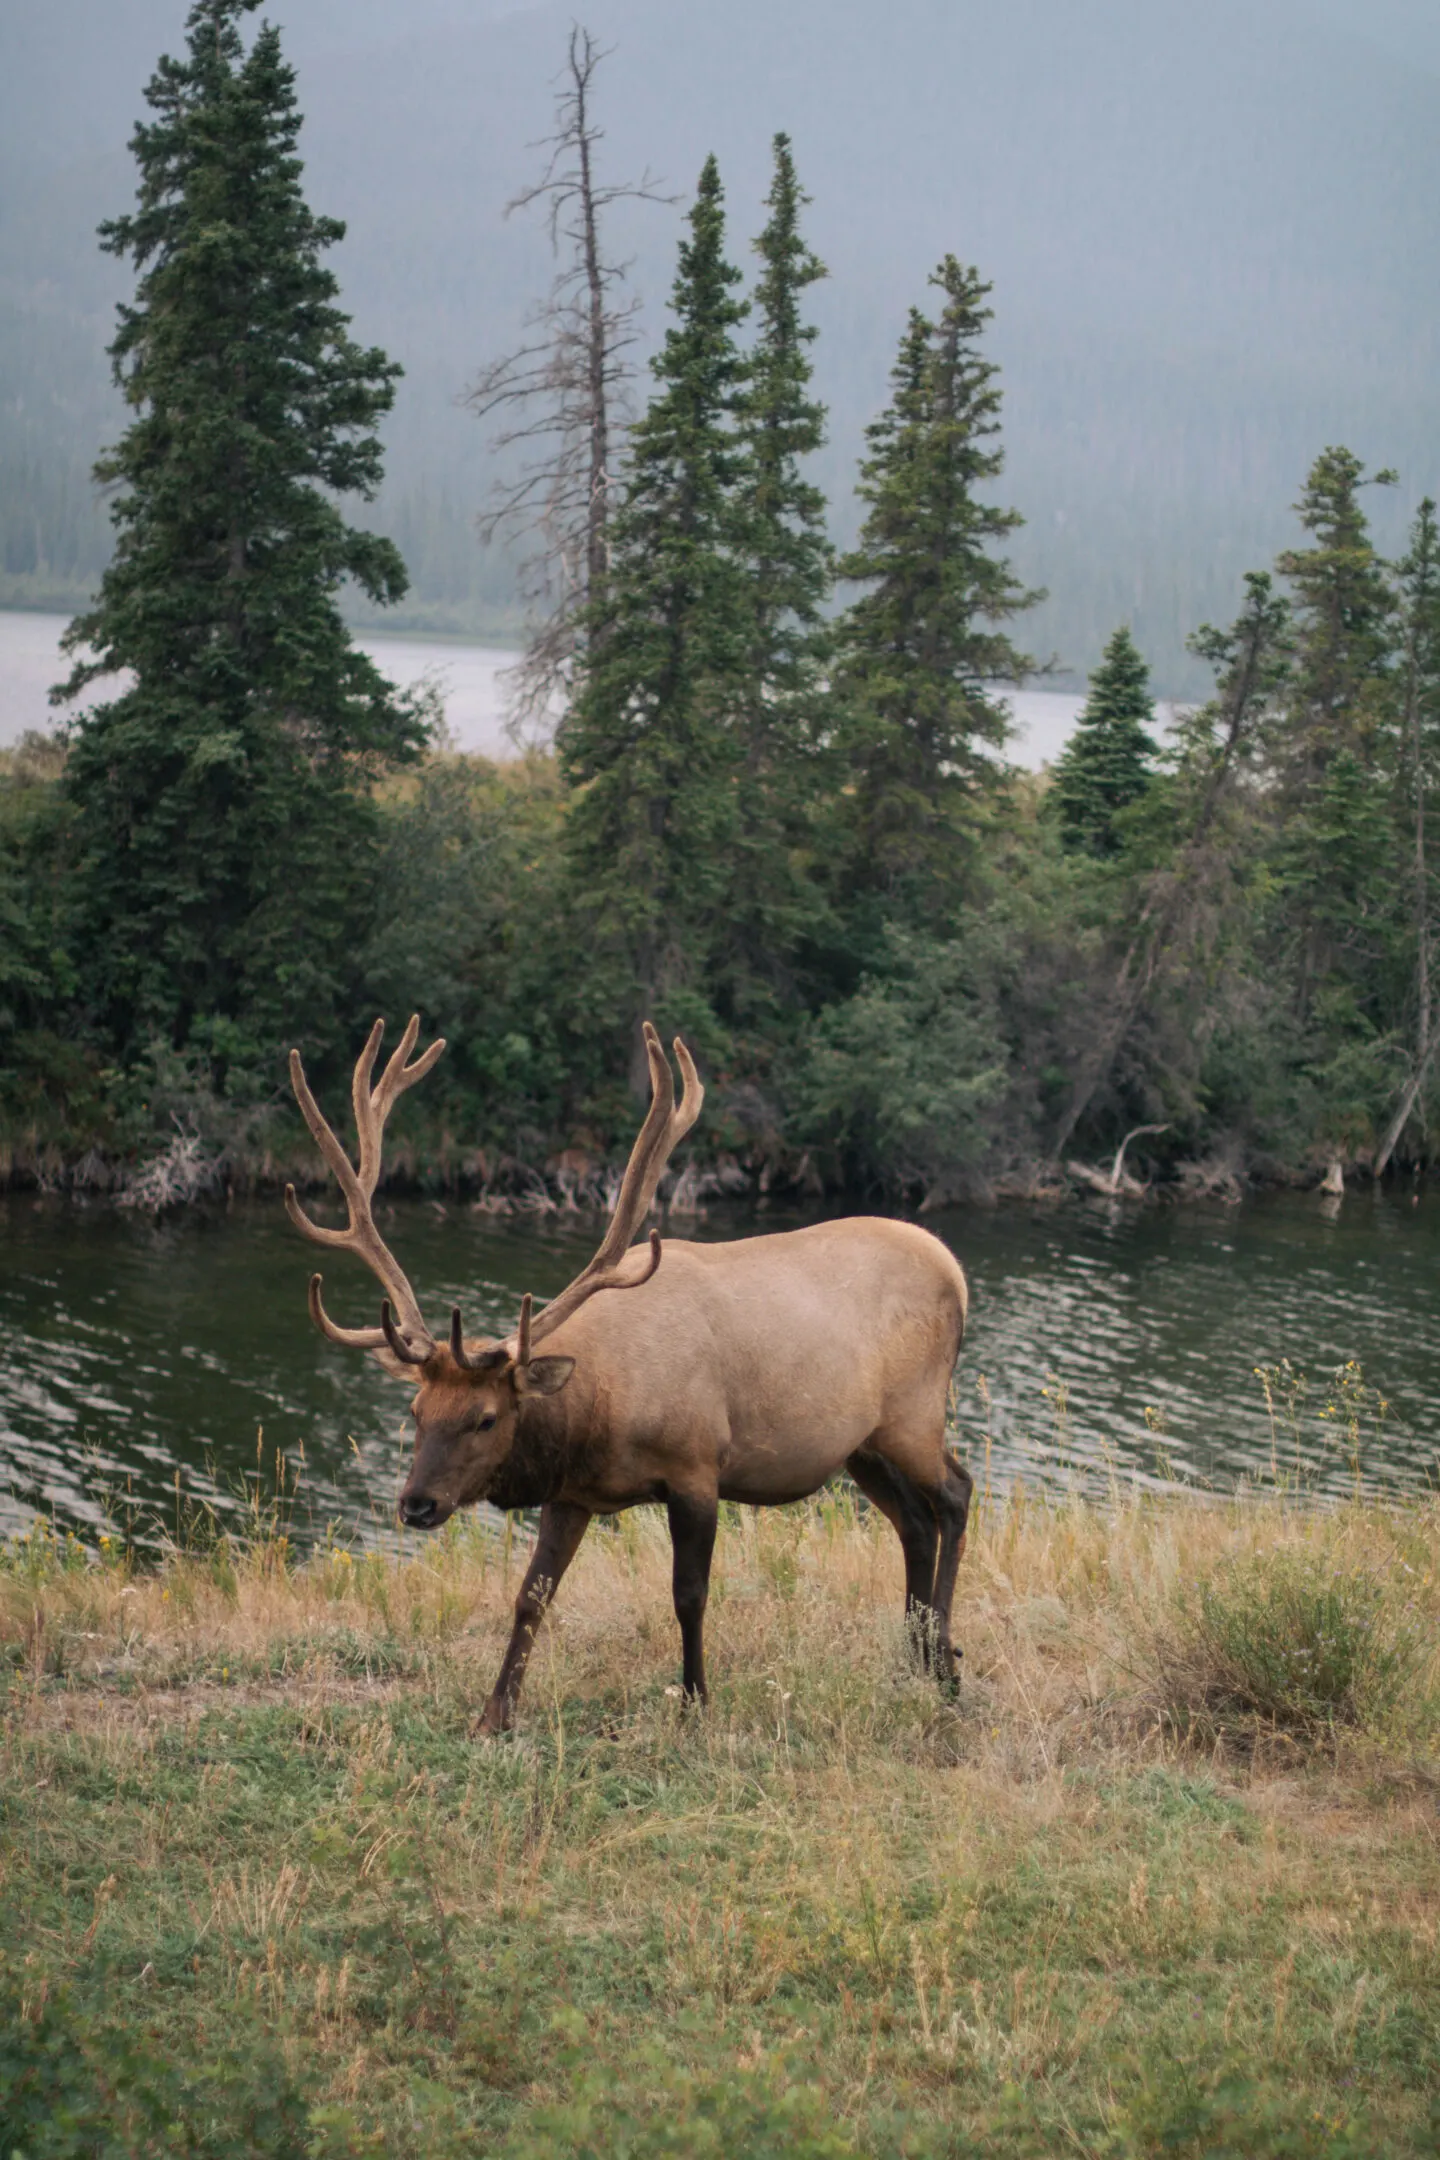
<point x="484" y="1422"/>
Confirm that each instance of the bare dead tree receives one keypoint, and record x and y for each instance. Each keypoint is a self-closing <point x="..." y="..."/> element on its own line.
<point x="561" y="399"/>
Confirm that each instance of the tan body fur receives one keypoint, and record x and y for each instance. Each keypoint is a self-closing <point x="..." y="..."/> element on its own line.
<point x="752" y="1371"/>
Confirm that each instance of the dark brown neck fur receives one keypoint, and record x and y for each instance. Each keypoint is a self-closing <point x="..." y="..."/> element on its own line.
<point x="542" y="1458"/>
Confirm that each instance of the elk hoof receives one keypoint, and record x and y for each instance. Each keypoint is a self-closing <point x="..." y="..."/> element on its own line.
<point x="492" y="1723"/>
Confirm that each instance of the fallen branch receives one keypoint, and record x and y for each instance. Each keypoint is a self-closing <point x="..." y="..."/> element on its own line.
<point x="1113" y="1183"/>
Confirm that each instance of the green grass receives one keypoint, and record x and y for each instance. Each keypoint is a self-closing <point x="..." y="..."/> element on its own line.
<point x="260" y="1893"/>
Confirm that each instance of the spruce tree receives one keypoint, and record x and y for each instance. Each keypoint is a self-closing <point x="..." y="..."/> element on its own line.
<point x="221" y="802"/>
<point x="781" y="425"/>
<point x="1342" y="607"/>
<point x="652" y="742"/>
<point x="772" y="904"/>
<point x="918" y="650"/>
<point x="1107" y="762"/>
<point x="1336" y="928"/>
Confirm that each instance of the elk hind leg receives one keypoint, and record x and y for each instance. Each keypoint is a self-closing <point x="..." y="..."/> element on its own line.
<point x="904" y="1505"/>
<point x="956" y="1491"/>
<point x="561" y="1528"/>
<point x="693" y="1522"/>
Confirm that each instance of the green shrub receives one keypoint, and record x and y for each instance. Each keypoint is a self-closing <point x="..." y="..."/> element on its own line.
<point x="1289" y="1641"/>
<point x="74" y="2086"/>
<point x="647" y="2107"/>
<point x="1224" y="2111"/>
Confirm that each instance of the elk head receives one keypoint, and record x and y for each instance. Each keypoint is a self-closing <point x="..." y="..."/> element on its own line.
<point x="470" y="1394"/>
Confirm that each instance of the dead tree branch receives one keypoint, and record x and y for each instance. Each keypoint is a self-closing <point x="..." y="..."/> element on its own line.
<point x="560" y="400"/>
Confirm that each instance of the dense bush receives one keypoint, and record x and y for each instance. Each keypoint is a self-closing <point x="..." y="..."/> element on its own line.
<point x="1288" y="1641"/>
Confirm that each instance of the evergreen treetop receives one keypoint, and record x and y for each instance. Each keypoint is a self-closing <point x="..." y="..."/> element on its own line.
<point x="1108" y="761"/>
<point x="917" y="651"/>
<point x="219" y="787"/>
<point x="1417" y="593"/>
<point x="781" y="424"/>
<point x="1342" y="606"/>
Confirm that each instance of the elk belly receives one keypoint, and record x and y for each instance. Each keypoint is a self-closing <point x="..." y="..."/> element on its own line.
<point x="790" y="1466"/>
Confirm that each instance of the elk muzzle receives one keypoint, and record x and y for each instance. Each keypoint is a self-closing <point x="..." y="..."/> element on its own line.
<point x="422" y="1511"/>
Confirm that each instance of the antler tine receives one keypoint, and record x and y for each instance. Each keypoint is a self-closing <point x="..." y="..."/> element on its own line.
<point x="373" y="1105"/>
<point x="353" y="1338"/>
<point x="666" y="1124"/>
<point x="533" y="1330"/>
<point x="368" y="1128"/>
<point x="360" y="1236"/>
<point x="692" y="1101"/>
<point x="320" y="1131"/>
<point x="401" y="1344"/>
<point x="654" y="1142"/>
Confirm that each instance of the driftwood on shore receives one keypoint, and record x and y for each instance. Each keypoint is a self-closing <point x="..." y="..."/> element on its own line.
<point x="1116" y="1182"/>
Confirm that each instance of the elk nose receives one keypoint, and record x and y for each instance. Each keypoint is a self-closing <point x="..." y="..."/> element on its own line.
<point x="418" y="1511"/>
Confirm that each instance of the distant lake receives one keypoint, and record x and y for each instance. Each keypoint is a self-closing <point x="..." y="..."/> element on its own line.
<point x="470" y="679"/>
<point x="468" y="676"/>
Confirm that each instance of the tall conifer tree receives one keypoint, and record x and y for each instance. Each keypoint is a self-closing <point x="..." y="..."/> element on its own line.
<point x="771" y="907"/>
<point x="1342" y="607"/>
<point x="1338" y="870"/>
<point x="917" y="651"/>
<point x="781" y="425"/>
<point x="652" y="741"/>
<point x="221" y="802"/>
<point x="1107" y="762"/>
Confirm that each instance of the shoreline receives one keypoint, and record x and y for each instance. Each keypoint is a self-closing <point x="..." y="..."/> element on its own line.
<point x="508" y="1186"/>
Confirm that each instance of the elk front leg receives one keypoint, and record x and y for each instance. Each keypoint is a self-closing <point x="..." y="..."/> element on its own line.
<point x="561" y="1528"/>
<point x="692" y="1535"/>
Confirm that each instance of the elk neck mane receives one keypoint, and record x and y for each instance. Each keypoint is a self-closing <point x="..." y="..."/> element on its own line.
<point x="543" y="1456"/>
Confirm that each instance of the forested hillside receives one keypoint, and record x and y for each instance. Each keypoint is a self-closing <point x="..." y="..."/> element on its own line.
<point x="1203" y="225"/>
<point x="779" y="814"/>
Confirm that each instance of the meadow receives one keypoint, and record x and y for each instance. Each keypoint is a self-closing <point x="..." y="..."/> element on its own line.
<point x="1162" y="1878"/>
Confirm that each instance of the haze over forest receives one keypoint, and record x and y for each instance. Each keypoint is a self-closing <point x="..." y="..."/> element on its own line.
<point x="1212" y="235"/>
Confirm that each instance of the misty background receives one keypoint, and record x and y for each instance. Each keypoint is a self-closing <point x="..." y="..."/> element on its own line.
<point x="1213" y="235"/>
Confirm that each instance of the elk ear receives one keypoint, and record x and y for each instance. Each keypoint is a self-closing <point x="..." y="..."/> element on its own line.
<point x="543" y="1375"/>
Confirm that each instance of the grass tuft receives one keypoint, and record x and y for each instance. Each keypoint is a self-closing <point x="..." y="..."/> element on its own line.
<point x="1292" y="1641"/>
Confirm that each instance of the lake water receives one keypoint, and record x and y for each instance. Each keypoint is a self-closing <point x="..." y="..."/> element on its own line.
<point x="470" y="678"/>
<point x="1110" y="1341"/>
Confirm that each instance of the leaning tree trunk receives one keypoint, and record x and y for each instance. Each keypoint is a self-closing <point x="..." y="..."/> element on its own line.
<point x="1164" y="905"/>
<point x="1425" y="1043"/>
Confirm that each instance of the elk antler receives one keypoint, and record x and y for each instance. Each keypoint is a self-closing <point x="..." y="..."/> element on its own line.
<point x="666" y="1125"/>
<point x="405" y="1334"/>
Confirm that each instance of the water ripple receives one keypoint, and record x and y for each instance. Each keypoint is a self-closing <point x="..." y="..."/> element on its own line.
<point x="1110" y="1342"/>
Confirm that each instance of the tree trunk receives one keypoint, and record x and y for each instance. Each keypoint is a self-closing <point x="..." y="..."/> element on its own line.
<point x="1425" y="1045"/>
<point x="597" y="352"/>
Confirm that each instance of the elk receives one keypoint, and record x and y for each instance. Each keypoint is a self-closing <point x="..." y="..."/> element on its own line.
<point x="751" y="1371"/>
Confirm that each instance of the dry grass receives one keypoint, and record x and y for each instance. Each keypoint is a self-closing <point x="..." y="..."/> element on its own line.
<point x="1107" y="1901"/>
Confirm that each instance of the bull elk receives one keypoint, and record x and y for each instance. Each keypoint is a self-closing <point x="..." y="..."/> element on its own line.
<point x="752" y="1371"/>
